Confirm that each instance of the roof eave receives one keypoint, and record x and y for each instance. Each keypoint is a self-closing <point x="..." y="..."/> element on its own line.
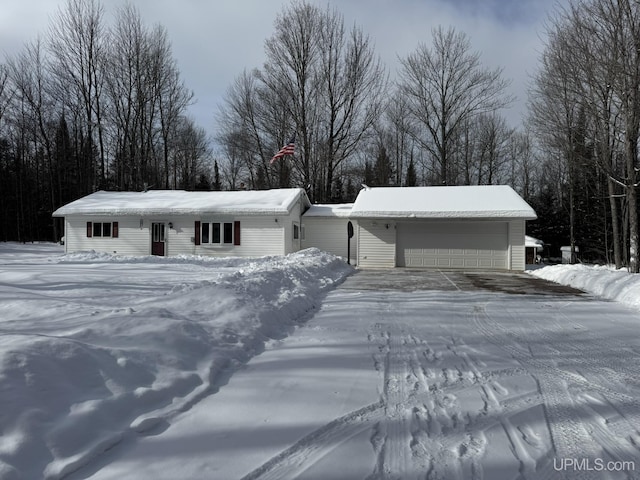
<point x="445" y="215"/>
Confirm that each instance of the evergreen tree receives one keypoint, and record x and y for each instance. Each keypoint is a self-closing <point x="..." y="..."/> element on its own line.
<point x="63" y="158"/>
<point x="203" y="183"/>
<point x="369" y="178"/>
<point x="284" y="175"/>
<point x="411" y="180"/>
<point x="551" y="226"/>
<point x="217" y="184"/>
<point x="350" y="191"/>
<point x="338" y="190"/>
<point x="383" y="170"/>
<point x="260" y="182"/>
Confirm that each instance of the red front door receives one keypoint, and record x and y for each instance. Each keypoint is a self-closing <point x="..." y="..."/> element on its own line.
<point x="157" y="239"/>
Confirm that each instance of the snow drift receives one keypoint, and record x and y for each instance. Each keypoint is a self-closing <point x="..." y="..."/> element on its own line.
<point x="95" y="348"/>
<point x="605" y="282"/>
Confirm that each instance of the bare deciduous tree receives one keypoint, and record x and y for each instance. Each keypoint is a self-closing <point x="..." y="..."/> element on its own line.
<point x="290" y="73"/>
<point x="92" y="107"/>
<point x="148" y="99"/>
<point x="321" y="82"/>
<point x="352" y="81"/>
<point x="4" y="90"/>
<point x="33" y="91"/>
<point x="587" y="96"/>
<point x="555" y="110"/>
<point x="77" y="41"/>
<point x="446" y="86"/>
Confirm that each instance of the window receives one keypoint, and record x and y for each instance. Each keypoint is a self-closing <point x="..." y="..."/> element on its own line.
<point x="102" y="229"/>
<point x="157" y="233"/>
<point x="296" y="232"/>
<point x="228" y="232"/>
<point x="205" y="233"/>
<point x="217" y="233"/>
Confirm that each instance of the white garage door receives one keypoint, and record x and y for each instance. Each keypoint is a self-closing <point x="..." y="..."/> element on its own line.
<point x="453" y="245"/>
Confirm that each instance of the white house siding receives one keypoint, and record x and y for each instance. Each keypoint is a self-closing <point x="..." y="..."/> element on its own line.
<point x="179" y="239"/>
<point x="453" y="244"/>
<point x="131" y="240"/>
<point x="290" y="244"/>
<point x="516" y="244"/>
<point x="376" y="244"/>
<point x="258" y="236"/>
<point x="330" y="235"/>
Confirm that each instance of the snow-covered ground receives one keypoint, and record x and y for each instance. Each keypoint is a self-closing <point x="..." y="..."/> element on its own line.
<point x="151" y="368"/>
<point x="95" y="349"/>
<point x="603" y="281"/>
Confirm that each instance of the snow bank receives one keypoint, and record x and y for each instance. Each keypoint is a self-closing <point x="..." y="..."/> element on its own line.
<point x="606" y="282"/>
<point x="96" y="348"/>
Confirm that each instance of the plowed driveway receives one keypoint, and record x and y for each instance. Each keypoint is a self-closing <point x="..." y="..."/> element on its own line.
<point x="410" y="375"/>
<point x="407" y="280"/>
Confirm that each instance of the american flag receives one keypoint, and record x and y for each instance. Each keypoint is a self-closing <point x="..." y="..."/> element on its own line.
<point x="286" y="150"/>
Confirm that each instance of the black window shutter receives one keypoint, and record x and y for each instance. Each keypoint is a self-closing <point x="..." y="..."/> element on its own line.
<point x="197" y="233"/>
<point x="89" y="229"/>
<point x="114" y="230"/>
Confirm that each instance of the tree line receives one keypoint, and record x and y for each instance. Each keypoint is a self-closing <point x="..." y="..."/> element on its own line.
<point x="438" y="124"/>
<point x="585" y="110"/>
<point x="94" y="106"/>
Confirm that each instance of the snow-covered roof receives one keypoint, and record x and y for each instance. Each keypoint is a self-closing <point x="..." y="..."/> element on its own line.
<point x="481" y="202"/>
<point x="339" y="210"/>
<point x="533" y="242"/>
<point x="180" y="202"/>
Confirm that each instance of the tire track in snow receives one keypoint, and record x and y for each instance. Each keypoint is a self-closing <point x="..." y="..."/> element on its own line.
<point x="391" y="438"/>
<point x="419" y="428"/>
<point x="443" y="441"/>
<point x="307" y="451"/>
<point x="616" y="371"/>
<point x="569" y="436"/>
<point x="395" y="437"/>
<point x="614" y="425"/>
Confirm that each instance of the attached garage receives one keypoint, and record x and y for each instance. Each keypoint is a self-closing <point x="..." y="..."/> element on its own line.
<point x="469" y="227"/>
<point x="453" y="244"/>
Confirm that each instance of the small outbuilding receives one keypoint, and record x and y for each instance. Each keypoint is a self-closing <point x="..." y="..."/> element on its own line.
<point x="465" y="227"/>
<point x="567" y="255"/>
<point x="175" y="222"/>
<point x="533" y="249"/>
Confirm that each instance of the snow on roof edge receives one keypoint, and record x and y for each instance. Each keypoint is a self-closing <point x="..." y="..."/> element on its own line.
<point x="338" y="210"/>
<point x="482" y="214"/>
<point x="470" y="201"/>
<point x="181" y="202"/>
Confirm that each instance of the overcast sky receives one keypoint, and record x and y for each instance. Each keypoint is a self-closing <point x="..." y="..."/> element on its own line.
<point x="214" y="40"/>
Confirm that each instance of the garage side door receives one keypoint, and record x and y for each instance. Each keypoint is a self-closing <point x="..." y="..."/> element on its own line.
<point x="453" y="245"/>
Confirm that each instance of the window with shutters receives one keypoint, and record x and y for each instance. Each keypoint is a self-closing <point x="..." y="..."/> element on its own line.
<point x="220" y="233"/>
<point x="102" y="229"/>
